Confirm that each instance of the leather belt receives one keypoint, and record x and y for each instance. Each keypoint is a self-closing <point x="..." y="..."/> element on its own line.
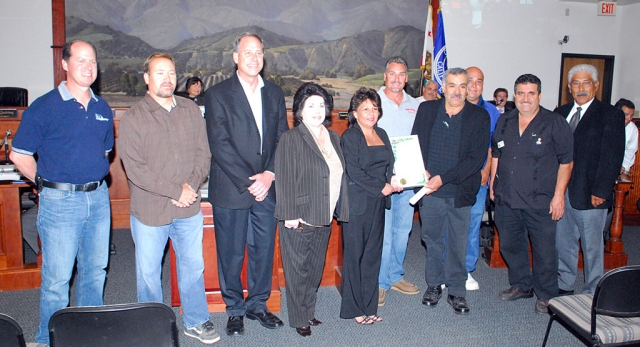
<point x="88" y="187"/>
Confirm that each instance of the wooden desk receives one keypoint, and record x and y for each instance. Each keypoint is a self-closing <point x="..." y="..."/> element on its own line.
<point x="14" y="273"/>
<point x="614" y="255"/>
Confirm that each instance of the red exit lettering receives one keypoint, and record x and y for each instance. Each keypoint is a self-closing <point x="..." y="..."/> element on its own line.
<point x="607" y="8"/>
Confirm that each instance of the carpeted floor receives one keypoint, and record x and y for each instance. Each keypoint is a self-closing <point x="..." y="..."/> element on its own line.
<point x="406" y="321"/>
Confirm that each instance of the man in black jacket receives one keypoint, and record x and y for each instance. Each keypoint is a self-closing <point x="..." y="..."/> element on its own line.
<point x="453" y="137"/>
<point x="598" y="142"/>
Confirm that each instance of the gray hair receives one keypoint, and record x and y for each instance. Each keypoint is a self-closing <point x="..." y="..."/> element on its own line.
<point x="426" y="82"/>
<point x="588" y="68"/>
<point x="397" y="59"/>
<point x="454" y="71"/>
<point x="236" y="42"/>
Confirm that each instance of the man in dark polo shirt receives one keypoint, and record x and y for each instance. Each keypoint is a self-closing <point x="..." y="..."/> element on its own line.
<point x="532" y="151"/>
<point x="164" y="149"/>
<point x="453" y="134"/>
<point x="71" y="131"/>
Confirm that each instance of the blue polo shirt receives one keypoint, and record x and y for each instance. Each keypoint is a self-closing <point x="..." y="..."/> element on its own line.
<point x="70" y="141"/>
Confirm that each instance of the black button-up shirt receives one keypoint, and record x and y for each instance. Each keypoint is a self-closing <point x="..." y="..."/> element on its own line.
<point x="528" y="163"/>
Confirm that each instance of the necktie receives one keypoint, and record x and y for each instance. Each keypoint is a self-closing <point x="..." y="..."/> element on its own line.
<point x="573" y="123"/>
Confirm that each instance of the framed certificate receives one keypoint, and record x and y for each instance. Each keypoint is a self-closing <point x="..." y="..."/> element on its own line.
<point x="409" y="167"/>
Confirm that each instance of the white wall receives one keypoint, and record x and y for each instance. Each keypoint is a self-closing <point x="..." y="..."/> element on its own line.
<point x="515" y="38"/>
<point x="629" y="54"/>
<point x="26" y="40"/>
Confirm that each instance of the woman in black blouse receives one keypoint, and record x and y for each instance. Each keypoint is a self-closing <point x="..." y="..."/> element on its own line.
<point x="369" y="167"/>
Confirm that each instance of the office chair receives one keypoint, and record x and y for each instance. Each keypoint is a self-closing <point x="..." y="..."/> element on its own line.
<point x="131" y="325"/>
<point x="12" y="96"/>
<point x="10" y="332"/>
<point x="609" y="317"/>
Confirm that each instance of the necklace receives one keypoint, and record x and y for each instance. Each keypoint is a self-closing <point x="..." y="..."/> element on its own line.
<point x="326" y="148"/>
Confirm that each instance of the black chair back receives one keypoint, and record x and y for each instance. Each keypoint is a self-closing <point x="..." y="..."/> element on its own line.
<point x="129" y="325"/>
<point x="10" y="332"/>
<point x="12" y="96"/>
<point x="617" y="293"/>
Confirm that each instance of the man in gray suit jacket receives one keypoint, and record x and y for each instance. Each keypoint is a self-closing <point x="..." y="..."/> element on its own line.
<point x="245" y="117"/>
<point x="598" y="142"/>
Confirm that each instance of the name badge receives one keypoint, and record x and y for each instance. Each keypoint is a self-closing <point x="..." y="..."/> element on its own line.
<point x="500" y="144"/>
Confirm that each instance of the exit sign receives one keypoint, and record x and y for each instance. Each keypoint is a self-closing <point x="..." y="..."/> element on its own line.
<point x="606" y="8"/>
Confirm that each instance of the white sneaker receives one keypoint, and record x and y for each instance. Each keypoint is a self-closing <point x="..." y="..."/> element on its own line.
<point x="471" y="283"/>
<point x="203" y="332"/>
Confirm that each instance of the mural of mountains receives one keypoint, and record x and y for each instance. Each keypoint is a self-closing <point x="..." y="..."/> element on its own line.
<point x="283" y="55"/>
<point x="164" y="24"/>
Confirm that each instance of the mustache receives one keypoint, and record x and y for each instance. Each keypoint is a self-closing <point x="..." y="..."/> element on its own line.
<point x="456" y="96"/>
<point x="582" y="94"/>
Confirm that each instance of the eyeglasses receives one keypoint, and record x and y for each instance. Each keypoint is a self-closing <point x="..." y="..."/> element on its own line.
<point x="584" y="84"/>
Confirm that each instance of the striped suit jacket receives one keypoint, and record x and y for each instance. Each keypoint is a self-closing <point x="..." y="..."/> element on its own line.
<point x="302" y="179"/>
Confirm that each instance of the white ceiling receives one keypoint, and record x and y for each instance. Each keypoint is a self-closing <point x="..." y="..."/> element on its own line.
<point x="620" y="2"/>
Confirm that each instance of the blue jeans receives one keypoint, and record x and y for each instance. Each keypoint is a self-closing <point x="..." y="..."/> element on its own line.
<point x="477" y="211"/>
<point x="186" y="239"/>
<point x="397" y="226"/>
<point x="70" y="225"/>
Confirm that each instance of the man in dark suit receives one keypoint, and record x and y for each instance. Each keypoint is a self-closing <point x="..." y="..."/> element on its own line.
<point x="245" y="117"/>
<point x="598" y="133"/>
<point x="500" y="96"/>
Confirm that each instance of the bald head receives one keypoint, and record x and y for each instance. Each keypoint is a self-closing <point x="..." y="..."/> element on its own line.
<point x="476" y="84"/>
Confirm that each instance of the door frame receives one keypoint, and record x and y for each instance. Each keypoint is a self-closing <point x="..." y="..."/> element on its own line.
<point x="604" y="65"/>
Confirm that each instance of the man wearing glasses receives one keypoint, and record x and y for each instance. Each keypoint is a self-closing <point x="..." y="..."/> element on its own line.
<point x="598" y="133"/>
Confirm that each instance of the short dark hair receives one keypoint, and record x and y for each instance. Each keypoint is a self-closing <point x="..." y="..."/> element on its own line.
<point x="528" y="78"/>
<point x="145" y="67"/>
<point x="303" y="93"/>
<point x="359" y="97"/>
<point x="498" y="90"/>
<point x="236" y="42"/>
<point x="191" y="81"/>
<point x="66" y="49"/>
<point x="625" y="103"/>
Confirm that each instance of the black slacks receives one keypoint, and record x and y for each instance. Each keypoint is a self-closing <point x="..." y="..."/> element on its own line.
<point x="362" y="242"/>
<point x="255" y="229"/>
<point x="303" y="255"/>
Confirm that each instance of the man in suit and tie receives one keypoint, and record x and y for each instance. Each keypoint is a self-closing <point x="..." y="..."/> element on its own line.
<point x="500" y="96"/>
<point x="245" y="117"/>
<point x="598" y="133"/>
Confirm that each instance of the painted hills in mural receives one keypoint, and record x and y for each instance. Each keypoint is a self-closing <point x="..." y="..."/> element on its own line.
<point x="342" y="64"/>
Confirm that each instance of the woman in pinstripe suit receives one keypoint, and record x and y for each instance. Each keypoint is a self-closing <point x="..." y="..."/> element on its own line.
<point x="310" y="190"/>
<point x="370" y="160"/>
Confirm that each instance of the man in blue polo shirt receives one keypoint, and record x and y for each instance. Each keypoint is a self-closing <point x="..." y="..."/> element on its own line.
<point x="71" y="131"/>
<point x="474" y="96"/>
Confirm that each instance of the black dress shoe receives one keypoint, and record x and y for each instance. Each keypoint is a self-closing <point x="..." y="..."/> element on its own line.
<point x="459" y="304"/>
<point x="304" y="331"/>
<point x="562" y="292"/>
<point x="314" y="322"/>
<point x="266" y="319"/>
<point x="542" y="306"/>
<point x="235" y="325"/>
<point x="515" y="293"/>
<point x="431" y="296"/>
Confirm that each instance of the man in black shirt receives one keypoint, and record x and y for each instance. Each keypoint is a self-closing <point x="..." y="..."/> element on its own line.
<point x="532" y="151"/>
<point x="453" y="134"/>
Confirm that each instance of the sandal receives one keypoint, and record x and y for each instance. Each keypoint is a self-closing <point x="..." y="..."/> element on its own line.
<point x="364" y="320"/>
<point x="375" y="318"/>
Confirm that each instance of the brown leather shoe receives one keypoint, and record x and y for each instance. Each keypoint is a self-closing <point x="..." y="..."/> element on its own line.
<point x="405" y="287"/>
<point x="542" y="306"/>
<point x="515" y="293"/>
